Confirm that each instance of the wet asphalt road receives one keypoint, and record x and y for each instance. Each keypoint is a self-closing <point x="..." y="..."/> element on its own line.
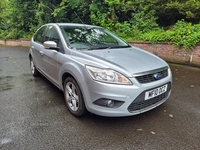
<point x="33" y="115"/>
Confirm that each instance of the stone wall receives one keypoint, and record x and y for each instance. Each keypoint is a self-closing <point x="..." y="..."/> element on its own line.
<point x="172" y="54"/>
<point x="164" y="50"/>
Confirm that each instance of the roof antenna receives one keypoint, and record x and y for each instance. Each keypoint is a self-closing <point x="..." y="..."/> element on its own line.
<point x="78" y="17"/>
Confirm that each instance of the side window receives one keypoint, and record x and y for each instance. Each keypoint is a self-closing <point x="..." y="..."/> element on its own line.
<point x="39" y="36"/>
<point x="52" y="35"/>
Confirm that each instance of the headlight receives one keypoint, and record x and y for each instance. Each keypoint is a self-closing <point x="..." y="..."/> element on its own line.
<point x="107" y="75"/>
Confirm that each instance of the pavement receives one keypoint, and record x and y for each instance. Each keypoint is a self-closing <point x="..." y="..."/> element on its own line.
<point x="33" y="114"/>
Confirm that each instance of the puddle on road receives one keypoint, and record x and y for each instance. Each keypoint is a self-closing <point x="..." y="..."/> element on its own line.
<point x="6" y="83"/>
<point x="9" y="82"/>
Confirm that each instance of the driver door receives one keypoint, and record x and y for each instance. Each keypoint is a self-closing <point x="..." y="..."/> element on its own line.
<point x="50" y="57"/>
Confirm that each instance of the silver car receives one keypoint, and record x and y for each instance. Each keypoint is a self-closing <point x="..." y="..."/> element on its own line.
<point x="97" y="71"/>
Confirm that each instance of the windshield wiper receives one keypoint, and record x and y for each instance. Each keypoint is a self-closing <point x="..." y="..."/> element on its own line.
<point x="120" y="46"/>
<point x="104" y="47"/>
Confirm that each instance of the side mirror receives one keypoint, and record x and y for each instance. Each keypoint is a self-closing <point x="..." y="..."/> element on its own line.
<point x="50" y="45"/>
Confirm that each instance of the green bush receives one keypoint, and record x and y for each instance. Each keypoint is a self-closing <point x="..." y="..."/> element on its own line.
<point x="182" y="34"/>
<point x="186" y="34"/>
<point x="123" y="29"/>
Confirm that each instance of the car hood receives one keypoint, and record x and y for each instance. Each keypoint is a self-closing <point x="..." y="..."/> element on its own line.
<point x="128" y="60"/>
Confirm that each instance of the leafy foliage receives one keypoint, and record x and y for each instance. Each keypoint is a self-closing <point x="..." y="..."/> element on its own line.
<point x="147" y="20"/>
<point x="181" y="34"/>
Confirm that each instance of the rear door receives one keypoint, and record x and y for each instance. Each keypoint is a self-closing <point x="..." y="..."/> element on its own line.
<point x="37" y="47"/>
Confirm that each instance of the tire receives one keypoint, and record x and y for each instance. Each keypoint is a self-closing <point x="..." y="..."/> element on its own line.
<point x="34" y="70"/>
<point x="73" y="97"/>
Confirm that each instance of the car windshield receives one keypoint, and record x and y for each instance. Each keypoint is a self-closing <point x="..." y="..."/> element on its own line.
<point x="87" y="38"/>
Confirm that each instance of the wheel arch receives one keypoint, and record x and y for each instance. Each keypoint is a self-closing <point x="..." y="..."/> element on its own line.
<point x="78" y="72"/>
<point x="71" y="70"/>
<point x="29" y="56"/>
<point x="66" y="75"/>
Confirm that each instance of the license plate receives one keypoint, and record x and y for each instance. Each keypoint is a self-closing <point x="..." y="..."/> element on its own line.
<point x="155" y="92"/>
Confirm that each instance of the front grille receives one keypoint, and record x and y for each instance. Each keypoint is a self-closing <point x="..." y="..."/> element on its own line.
<point x="139" y="103"/>
<point x="150" y="77"/>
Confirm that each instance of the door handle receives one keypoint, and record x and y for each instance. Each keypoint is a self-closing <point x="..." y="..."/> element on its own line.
<point x="41" y="53"/>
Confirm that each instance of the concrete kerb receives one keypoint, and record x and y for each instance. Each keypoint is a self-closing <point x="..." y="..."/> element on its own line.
<point x="164" y="50"/>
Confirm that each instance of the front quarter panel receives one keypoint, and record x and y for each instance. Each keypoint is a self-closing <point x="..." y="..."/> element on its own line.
<point x="79" y="73"/>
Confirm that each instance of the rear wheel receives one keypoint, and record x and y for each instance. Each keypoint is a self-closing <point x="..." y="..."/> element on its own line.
<point x="73" y="97"/>
<point x="34" y="70"/>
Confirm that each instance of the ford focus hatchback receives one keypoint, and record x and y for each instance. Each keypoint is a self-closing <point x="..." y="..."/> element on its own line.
<point x="97" y="71"/>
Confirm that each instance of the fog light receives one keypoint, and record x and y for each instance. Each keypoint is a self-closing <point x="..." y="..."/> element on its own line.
<point x="110" y="103"/>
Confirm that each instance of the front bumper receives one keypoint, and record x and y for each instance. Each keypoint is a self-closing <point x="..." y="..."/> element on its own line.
<point x="132" y="97"/>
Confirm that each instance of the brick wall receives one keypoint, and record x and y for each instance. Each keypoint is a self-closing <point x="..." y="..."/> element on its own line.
<point x="164" y="50"/>
<point x="172" y="54"/>
<point x="15" y="42"/>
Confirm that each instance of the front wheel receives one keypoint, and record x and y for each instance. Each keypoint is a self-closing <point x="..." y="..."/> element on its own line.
<point x="74" y="98"/>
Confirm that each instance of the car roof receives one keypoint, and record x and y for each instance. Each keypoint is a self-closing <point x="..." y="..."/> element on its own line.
<point x="73" y="25"/>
